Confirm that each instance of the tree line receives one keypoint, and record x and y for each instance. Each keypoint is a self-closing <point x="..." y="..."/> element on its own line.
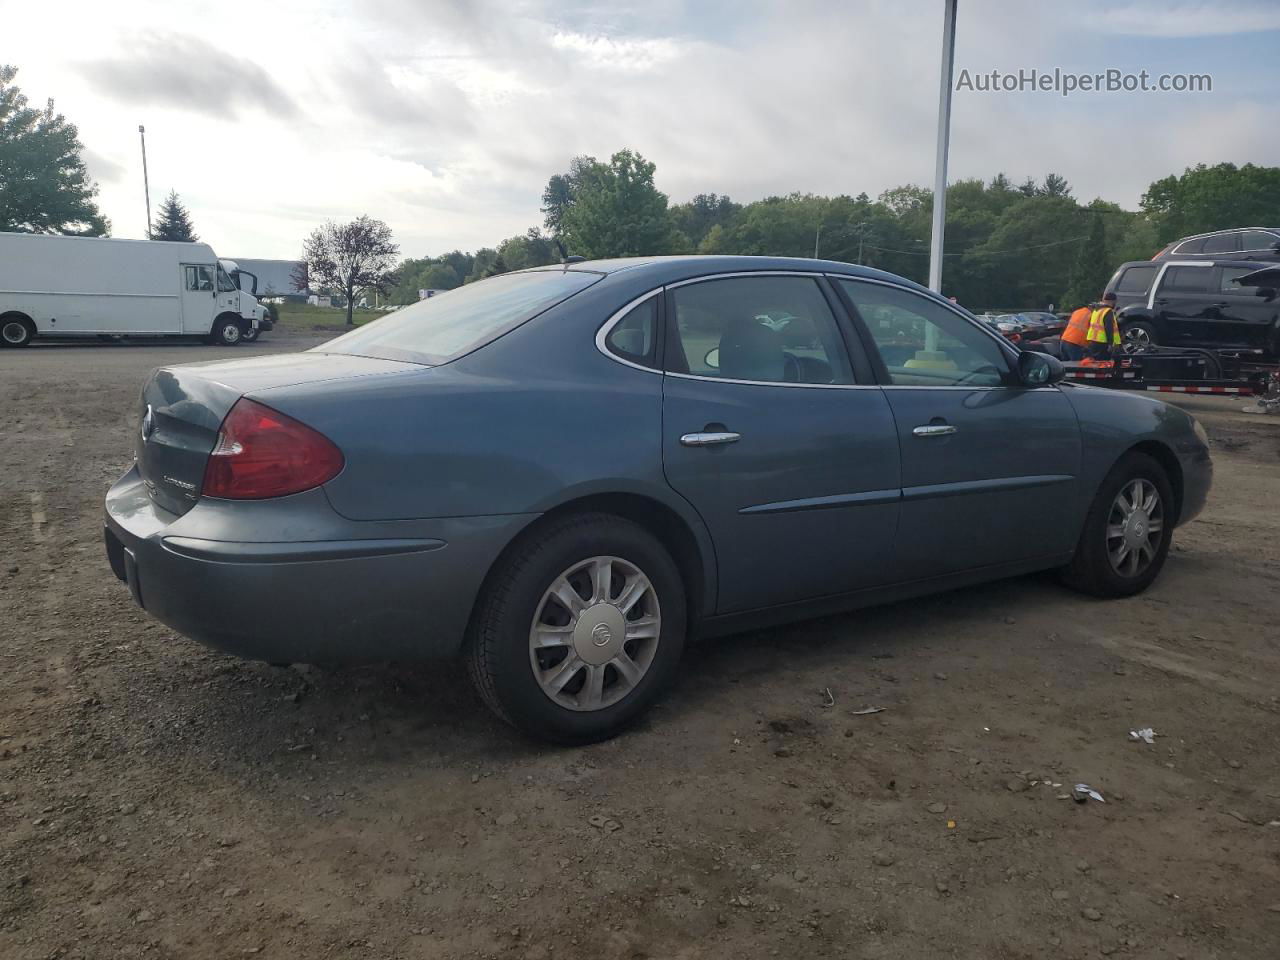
<point x="1008" y="245"/>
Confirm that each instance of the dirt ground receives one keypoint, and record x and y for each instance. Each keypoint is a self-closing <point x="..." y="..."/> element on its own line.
<point x="159" y="800"/>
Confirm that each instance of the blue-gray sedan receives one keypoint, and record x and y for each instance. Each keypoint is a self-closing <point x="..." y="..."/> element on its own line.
<point x="562" y="473"/>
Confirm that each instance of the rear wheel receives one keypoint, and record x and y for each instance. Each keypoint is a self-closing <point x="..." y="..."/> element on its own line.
<point x="227" y="331"/>
<point x="579" y="630"/>
<point x="1139" y="335"/>
<point x="16" y="331"/>
<point x="1127" y="533"/>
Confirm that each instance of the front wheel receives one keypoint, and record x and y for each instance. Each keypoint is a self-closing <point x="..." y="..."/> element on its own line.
<point x="227" y="331"/>
<point x="1127" y="533"/>
<point x="579" y="630"/>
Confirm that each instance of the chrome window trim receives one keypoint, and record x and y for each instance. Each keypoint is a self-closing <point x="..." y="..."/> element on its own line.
<point x="603" y="334"/>
<point x="1274" y="238"/>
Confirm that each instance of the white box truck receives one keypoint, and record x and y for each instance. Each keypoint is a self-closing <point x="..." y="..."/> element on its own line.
<point x="52" y="286"/>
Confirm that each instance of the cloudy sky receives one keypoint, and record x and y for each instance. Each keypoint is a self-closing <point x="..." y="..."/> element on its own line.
<point x="445" y="117"/>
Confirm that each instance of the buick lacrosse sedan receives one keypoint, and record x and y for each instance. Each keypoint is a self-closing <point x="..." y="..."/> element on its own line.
<point x="563" y="473"/>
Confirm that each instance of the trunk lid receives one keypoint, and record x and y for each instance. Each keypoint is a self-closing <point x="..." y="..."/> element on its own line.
<point x="183" y="407"/>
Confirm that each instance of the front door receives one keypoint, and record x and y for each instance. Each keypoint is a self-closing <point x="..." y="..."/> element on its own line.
<point x="791" y="464"/>
<point x="1246" y="320"/>
<point x="988" y="468"/>
<point x="197" y="297"/>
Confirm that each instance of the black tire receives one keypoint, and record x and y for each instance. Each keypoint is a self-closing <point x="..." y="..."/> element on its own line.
<point x="1091" y="570"/>
<point x="16" y="331"/>
<point x="1137" y="335"/>
<point x="227" y="331"/>
<point x="499" y="657"/>
<point x="250" y="334"/>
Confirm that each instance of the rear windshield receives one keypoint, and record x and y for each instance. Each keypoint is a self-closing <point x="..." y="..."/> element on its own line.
<point x="451" y="324"/>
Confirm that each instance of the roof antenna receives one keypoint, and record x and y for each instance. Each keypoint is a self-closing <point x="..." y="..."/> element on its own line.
<point x="565" y="258"/>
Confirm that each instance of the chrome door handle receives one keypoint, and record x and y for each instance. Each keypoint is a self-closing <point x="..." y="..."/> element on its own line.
<point x="934" y="430"/>
<point x="709" y="439"/>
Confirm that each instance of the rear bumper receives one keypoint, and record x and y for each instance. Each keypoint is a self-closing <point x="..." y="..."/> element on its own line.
<point x="250" y="580"/>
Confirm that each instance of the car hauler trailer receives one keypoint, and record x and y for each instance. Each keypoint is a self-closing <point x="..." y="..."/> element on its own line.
<point x="53" y="286"/>
<point x="1171" y="370"/>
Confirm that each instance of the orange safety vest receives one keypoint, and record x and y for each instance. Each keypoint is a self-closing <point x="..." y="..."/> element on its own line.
<point x="1098" y="327"/>
<point x="1077" y="327"/>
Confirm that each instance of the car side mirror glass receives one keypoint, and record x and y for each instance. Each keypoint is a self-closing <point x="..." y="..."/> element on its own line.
<point x="712" y="359"/>
<point x="1039" y="369"/>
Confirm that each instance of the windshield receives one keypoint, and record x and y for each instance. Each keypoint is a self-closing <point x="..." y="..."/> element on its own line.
<point x="450" y="324"/>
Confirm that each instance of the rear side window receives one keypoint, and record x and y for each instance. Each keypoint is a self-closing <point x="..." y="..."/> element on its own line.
<point x="450" y="324"/>
<point x="1223" y="243"/>
<point x="1187" y="279"/>
<point x="635" y="336"/>
<point x="1258" y="240"/>
<point x="1136" y="280"/>
<point x="1191" y="246"/>
<point x="769" y="329"/>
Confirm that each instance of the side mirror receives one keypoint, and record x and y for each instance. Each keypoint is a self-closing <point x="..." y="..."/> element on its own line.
<point x="1267" y="293"/>
<point x="712" y="359"/>
<point x="1039" y="369"/>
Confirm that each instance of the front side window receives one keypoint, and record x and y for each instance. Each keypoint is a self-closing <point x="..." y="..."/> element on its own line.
<point x="458" y="321"/>
<point x="772" y="329"/>
<point x="635" y="336"/>
<point x="922" y="343"/>
<point x="1222" y="243"/>
<point x="225" y="283"/>
<point x="198" y="278"/>
<point x="1228" y="283"/>
<point x="1187" y="279"/>
<point x="1136" y="280"/>
<point x="1258" y="240"/>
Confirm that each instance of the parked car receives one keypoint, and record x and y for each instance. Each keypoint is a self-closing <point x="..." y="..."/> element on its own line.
<point x="1005" y="325"/>
<point x="1197" y="303"/>
<point x="561" y="474"/>
<point x="1043" y="323"/>
<point x="1239" y="243"/>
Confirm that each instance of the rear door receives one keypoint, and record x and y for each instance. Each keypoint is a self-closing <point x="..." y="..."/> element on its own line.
<point x="1186" y="304"/>
<point x="989" y="467"/>
<point x="198" y="295"/>
<point x="788" y="455"/>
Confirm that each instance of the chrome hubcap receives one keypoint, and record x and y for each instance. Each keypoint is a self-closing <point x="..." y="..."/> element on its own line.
<point x="1136" y="338"/>
<point x="1135" y="527"/>
<point x="595" y="633"/>
<point x="14" y="332"/>
<point x="231" y="333"/>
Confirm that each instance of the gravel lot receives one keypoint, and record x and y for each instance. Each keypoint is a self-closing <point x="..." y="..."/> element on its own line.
<point x="159" y="800"/>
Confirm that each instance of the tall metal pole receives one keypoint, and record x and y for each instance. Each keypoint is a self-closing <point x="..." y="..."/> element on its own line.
<point x="944" y="135"/>
<point x="146" y="184"/>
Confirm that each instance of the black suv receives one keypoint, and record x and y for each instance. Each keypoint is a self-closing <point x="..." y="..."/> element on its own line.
<point x="1199" y="303"/>
<point x="1241" y="243"/>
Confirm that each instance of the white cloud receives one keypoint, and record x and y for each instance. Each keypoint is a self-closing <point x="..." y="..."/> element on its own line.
<point x="446" y="118"/>
<point x="1195" y="19"/>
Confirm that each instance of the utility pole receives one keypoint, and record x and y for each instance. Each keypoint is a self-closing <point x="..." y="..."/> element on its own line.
<point x="146" y="185"/>
<point x="944" y="135"/>
<point x="817" y="235"/>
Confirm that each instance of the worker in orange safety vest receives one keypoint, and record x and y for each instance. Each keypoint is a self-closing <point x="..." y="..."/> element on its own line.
<point x="1075" y="337"/>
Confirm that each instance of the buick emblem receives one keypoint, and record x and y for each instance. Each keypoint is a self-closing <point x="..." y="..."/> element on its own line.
<point x="601" y="634"/>
<point x="148" y="424"/>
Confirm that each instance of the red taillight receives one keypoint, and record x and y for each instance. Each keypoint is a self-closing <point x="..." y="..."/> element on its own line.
<point x="261" y="453"/>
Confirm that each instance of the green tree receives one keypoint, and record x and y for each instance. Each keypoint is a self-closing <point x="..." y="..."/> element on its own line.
<point x="351" y="257"/>
<point x="44" y="187"/>
<point x="617" y="211"/>
<point x="694" y="220"/>
<point x="1213" y="198"/>
<point x="174" y="222"/>
<point x="529" y="249"/>
<point x="562" y="190"/>
<point x="1092" y="268"/>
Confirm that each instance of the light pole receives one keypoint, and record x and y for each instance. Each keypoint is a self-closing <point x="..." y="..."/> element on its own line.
<point x="146" y="185"/>
<point x="944" y="134"/>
